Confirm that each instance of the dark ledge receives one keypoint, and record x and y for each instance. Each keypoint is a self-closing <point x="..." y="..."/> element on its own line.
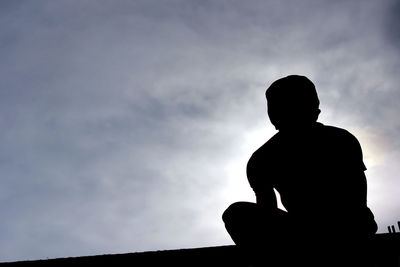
<point x="386" y="253"/>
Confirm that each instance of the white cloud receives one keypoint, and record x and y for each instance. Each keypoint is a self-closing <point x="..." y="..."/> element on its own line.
<point x="127" y="126"/>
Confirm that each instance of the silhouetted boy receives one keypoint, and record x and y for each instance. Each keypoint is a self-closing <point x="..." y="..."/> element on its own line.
<point x="319" y="172"/>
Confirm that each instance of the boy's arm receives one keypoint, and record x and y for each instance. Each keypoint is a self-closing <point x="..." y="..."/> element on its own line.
<point x="267" y="199"/>
<point x="265" y="195"/>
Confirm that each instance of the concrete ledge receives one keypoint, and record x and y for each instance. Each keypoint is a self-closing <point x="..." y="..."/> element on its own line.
<point x="208" y="256"/>
<point x="386" y="253"/>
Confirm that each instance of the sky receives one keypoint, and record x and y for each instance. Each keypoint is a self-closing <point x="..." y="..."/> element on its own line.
<point x="127" y="125"/>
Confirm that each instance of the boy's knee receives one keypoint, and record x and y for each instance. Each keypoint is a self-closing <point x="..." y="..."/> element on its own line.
<point x="236" y="211"/>
<point x="227" y="214"/>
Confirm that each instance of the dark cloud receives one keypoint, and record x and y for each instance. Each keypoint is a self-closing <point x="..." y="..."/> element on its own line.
<point x="133" y="118"/>
<point x="392" y="23"/>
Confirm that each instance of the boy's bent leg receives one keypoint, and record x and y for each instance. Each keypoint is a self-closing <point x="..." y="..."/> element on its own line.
<point x="259" y="234"/>
<point x="241" y="221"/>
<point x="247" y="223"/>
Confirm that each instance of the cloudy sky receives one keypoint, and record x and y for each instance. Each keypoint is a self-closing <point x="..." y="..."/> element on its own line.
<point x="127" y="125"/>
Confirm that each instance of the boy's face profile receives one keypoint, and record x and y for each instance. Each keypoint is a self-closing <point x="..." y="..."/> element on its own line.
<point x="292" y="103"/>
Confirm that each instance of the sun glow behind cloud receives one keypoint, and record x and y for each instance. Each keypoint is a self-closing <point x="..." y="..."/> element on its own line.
<point x="237" y="187"/>
<point x="139" y="117"/>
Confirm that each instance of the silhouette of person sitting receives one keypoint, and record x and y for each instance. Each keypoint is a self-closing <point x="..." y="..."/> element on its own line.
<point x="318" y="171"/>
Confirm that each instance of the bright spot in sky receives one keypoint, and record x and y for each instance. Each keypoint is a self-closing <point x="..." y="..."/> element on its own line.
<point x="373" y="145"/>
<point x="238" y="188"/>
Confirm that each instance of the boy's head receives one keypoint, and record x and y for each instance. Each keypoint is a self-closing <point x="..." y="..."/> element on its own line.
<point x="292" y="102"/>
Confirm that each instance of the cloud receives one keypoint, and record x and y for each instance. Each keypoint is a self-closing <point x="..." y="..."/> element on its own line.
<point x="127" y="126"/>
<point x="392" y="23"/>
